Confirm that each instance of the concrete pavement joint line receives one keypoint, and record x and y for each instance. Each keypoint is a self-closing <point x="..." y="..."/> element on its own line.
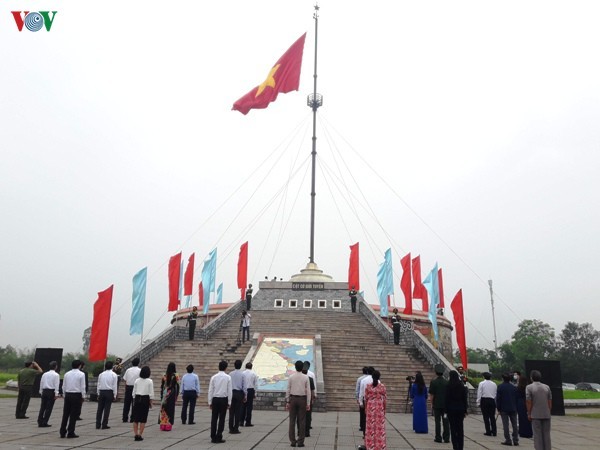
<point x="102" y="439"/>
<point x="189" y="437"/>
<point x="269" y="433"/>
<point x="337" y="427"/>
<point x="401" y="434"/>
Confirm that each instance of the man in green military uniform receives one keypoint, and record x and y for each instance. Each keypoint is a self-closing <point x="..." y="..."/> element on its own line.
<point x="25" y="379"/>
<point x="437" y="390"/>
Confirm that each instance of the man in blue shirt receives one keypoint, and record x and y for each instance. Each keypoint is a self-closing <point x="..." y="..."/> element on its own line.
<point x="190" y="386"/>
<point x="506" y="402"/>
<point x="239" y="397"/>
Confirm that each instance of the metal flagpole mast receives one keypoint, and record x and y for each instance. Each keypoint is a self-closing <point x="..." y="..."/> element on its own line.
<point x="493" y="316"/>
<point x="314" y="100"/>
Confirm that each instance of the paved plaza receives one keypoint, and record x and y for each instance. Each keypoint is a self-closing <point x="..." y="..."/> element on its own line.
<point x="331" y="430"/>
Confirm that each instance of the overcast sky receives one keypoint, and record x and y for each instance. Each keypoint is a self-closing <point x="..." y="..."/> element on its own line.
<point x="466" y="132"/>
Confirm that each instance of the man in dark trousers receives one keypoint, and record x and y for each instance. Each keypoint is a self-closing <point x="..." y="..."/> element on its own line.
<point x="506" y="403"/>
<point x="49" y="390"/>
<point x="131" y="374"/>
<point x="486" y="399"/>
<point x="25" y="379"/>
<point x="396" y="326"/>
<point x="353" y="295"/>
<point x="239" y="397"/>
<point x="107" y="389"/>
<point x="437" y="390"/>
<point x="191" y="322"/>
<point x="219" y="399"/>
<point x="311" y="401"/>
<point x="190" y="386"/>
<point x="249" y="297"/>
<point x="74" y="393"/>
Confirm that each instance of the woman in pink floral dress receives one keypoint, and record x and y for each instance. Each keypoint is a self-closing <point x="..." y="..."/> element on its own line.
<point x="375" y="401"/>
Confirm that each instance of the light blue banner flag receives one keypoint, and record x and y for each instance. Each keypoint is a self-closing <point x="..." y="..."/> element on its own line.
<point x="209" y="273"/>
<point x="385" y="284"/>
<point x="220" y="294"/>
<point x="138" y="302"/>
<point x="188" y="300"/>
<point x="432" y="285"/>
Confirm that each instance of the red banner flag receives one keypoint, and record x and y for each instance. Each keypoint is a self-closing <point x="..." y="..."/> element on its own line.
<point x="405" y="284"/>
<point x="459" y="324"/>
<point x="441" y="286"/>
<point x="242" y="273"/>
<point x="353" y="269"/>
<point x="188" y="278"/>
<point x="283" y="77"/>
<point x="200" y="296"/>
<point x="419" y="290"/>
<point x="100" y="325"/>
<point x="174" y="278"/>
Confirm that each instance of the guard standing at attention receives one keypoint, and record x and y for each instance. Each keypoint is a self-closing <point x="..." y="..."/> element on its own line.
<point x="191" y="322"/>
<point x="248" y="297"/>
<point x="396" y="326"/>
<point x="353" y="295"/>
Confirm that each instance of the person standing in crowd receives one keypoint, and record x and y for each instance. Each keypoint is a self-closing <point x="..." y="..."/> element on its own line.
<point x="353" y="295"/>
<point x="356" y="396"/>
<point x="130" y="376"/>
<point x="375" y="404"/>
<point x="297" y="402"/>
<point x="456" y="408"/>
<point x="525" y="430"/>
<point x="25" y="380"/>
<point x="118" y="366"/>
<point x="506" y="403"/>
<point x="437" y="390"/>
<point x="308" y="420"/>
<point x="169" y="391"/>
<point x="249" y="297"/>
<point x="245" y="326"/>
<point x="418" y="394"/>
<point x="361" y="397"/>
<point x="239" y="397"/>
<point x="190" y="386"/>
<point x="107" y="392"/>
<point x="516" y="376"/>
<point x="486" y="400"/>
<point x="539" y="406"/>
<point x="49" y="390"/>
<point x="395" y="319"/>
<point x="87" y="385"/>
<point x="143" y="394"/>
<point x="220" y="394"/>
<point x="191" y="322"/>
<point x="250" y="381"/>
<point x="74" y="393"/>
<point x="462" y="375"/>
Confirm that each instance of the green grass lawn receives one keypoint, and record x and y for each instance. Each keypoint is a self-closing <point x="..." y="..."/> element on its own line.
<point x="4" y="377"/>
<point x="580" y="395"/>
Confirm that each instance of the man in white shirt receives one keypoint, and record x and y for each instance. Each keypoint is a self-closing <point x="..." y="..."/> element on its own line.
<point x="220" y="393"/>
<point x="131" y="374"/>
<point x="49" y="385"/>
<point x="486" y="400"/>
<point x="356" y="395"/>
<point x="74" y="393"/>
<point x="250" y="380"/>
<point x="190" y="386"/>
<point x="361" y="397"/>
<point x="245" y="326"/>
<point x="107" y="392"/>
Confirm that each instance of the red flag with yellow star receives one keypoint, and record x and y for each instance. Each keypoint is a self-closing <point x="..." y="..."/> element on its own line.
<point x="283" y="77"/>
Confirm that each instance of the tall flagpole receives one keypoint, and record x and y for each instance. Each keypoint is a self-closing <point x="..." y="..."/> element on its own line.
<point x="314" y="101"/>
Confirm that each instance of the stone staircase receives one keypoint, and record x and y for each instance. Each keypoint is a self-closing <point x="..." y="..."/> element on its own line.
<point x="349" y="342"/>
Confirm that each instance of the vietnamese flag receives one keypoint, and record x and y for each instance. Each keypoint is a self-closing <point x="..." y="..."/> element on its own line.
<point x="188" y="278"/>
<point x="353" y="268"/>
<point x="459" y="324"/>
<point x="242" y="270"/>
<point x="100" y="325"/>
<point x="200" y="295"/>
<point x="441" y="285"/>
<point x="283" y="77"/>
<point x="405" y="283"/>
<point x="174" y="277"/>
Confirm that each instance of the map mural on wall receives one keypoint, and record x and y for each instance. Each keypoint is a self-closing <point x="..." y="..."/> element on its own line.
<point x="274" y="361"/>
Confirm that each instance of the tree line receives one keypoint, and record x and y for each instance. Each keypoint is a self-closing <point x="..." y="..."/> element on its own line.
<point x="576" y="347"/>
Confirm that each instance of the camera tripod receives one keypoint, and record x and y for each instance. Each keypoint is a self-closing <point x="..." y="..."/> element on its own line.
<point x="408" y="402"/>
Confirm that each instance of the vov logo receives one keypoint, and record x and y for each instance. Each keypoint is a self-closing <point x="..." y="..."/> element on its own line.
<point x="34" y="21"/>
